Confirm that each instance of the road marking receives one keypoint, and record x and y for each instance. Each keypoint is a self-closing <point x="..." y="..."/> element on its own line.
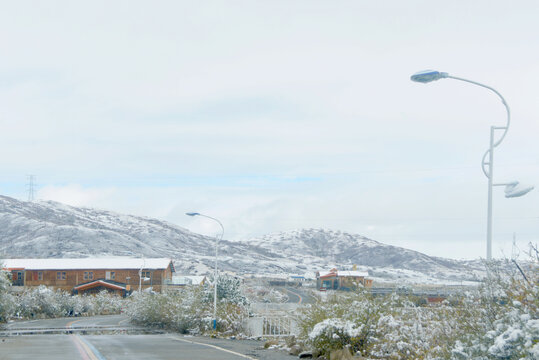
<point x="124" y="320"/>
<point x="69" y="324"/>
<point x="79" y="347"/>
<point x="298" y="295"/>
<point x="212" y="346"/>
<point x="20" y="322"/>
<point x="86" y="350"/>
<point x="91" y="349"/>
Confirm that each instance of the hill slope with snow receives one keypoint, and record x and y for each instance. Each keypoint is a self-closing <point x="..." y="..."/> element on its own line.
<point x="345" y="250"/>
<point x="50" y="229"/>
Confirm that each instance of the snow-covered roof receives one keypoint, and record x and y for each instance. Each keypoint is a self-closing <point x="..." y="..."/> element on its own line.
<point x="351" y="273"/>
<point x="86" y="263"/>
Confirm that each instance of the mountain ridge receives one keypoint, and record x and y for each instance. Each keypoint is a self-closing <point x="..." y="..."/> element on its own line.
<point x="51" y="229"/>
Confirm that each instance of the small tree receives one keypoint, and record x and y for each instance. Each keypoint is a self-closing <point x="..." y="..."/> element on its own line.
<point x="229" y="289"/>
<point x="7" y="303"/>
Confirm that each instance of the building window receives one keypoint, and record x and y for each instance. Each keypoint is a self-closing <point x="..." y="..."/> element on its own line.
<point x="19" y="275"/>
<point x="61" y="275"/>
<point x="110" y="275"/>
<point x="40" y="275"/>
<point x="88" y="275"/>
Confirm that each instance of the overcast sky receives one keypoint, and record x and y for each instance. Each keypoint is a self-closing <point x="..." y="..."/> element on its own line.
<point x="277" y="115"/>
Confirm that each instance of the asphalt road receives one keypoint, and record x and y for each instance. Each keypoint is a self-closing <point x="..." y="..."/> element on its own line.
<point x="297" y="295"/>
<point x="117" y="339"/>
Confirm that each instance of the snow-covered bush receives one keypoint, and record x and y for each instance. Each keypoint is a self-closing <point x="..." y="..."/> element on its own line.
<point x="190" y="310"/>
<point x="408" y="331"/>
<point x="498" y="321"/>
<point x="41" y="301"/>
<point x="390" y="327"/>
<point x="508" y="327"/>
<point x="7" y="303"/>
<point x="335" y="334"/>
<point x="44" y="302"/>
<point x="103" y="303"/>
<point x="516" y="336"/>
<point x="359" y="310"/>
<point x="183" y="311"/>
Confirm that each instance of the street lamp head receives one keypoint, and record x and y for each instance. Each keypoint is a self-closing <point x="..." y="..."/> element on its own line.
<point x="516" y="189"/>
<point x="427" y="76"/>
<point x="192" y="214"/>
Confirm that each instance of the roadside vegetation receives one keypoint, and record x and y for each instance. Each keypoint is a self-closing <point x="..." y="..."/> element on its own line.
<point x="42" y="302"/>
<point x="499" y="321"/>
<point x="6" y="302"/>
<point x="190" y="310"/>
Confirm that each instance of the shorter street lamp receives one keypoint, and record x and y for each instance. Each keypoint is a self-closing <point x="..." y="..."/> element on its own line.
<point x="140" y="278"/>
<point x="512" y="189"/>
<point x="215" y="271"/>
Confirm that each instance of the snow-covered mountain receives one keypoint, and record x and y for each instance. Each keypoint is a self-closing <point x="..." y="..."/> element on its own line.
<point x="341" y="249"/>
<point x="51" y="229"/>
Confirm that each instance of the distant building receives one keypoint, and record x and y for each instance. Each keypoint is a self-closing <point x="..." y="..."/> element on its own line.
<point x="342" y="280"/>
<point x="91" y="275"/>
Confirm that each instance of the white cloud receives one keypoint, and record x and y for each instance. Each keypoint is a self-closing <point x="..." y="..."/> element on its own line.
<point x="76" y="195"/>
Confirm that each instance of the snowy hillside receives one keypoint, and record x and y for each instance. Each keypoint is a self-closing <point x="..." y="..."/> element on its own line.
<point x="50" y="229"/>
<point x="345" y="250"/>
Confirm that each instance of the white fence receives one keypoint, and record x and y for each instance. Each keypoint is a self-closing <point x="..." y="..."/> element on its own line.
<point x="272" y="320"/>
<point x="274" y="326"/>
<point x="271" y="308"/>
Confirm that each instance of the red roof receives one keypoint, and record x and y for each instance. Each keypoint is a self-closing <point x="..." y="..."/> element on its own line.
<point x="97" y="283"/>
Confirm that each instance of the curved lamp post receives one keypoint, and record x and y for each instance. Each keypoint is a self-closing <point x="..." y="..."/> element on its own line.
<point x="215" y="272"/>
<point x="513" y="189"/>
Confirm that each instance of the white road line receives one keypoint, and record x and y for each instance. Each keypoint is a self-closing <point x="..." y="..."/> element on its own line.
<point x="20" y="322"/>
<point x="212" y="346"/>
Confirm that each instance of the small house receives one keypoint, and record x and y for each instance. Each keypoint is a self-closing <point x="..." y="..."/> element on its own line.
<point x="342" y="280"/>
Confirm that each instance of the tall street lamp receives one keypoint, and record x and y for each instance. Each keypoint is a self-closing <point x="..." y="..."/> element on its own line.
<point x="215" y="272"/>
<point x="513" y="189"/>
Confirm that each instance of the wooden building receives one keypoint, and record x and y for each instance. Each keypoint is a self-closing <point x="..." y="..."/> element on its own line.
<point x="342" y="280"/>
<point x="90" y="275"/>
